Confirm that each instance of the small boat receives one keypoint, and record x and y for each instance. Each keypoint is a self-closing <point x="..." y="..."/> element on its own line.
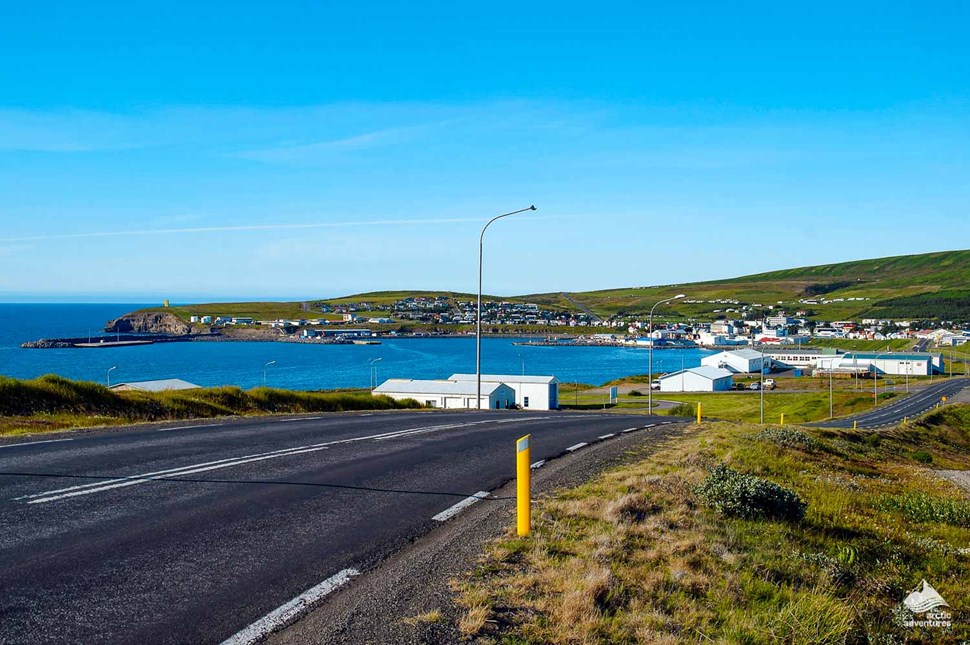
<point x="367" y="342"/>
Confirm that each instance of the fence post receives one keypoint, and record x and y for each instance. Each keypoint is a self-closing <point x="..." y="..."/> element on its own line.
<point x="698" y="413"/>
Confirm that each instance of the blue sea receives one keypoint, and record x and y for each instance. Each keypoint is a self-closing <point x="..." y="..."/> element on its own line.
<point x="298" y="366"/>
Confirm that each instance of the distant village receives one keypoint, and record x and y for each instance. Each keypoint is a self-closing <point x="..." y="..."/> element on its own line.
<point x="738" y="325"/>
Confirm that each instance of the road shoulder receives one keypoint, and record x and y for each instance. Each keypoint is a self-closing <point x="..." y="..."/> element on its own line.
<point x="408" y="597"/>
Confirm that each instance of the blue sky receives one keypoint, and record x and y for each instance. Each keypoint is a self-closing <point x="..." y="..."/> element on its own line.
<point x="301" y="149"/>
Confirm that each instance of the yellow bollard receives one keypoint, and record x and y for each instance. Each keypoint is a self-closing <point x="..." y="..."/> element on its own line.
<point x="698" y="413"/>
<point x="782" y="418"/>
<point x="523" y="485"/>
<point x="854" y="424"/>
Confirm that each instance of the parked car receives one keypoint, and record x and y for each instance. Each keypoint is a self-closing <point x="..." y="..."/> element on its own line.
<point x="770" y="383"/>
<point x="754" y="386"/>
<point x="739" y="386"/>
<point x="655" y="384"/>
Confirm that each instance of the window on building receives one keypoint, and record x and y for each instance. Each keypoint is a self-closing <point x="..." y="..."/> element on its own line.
<point x="429" y="403"/>
<point x="525" y="402"/>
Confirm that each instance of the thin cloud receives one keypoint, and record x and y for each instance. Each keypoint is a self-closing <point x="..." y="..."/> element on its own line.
<point x="237" y="229"/>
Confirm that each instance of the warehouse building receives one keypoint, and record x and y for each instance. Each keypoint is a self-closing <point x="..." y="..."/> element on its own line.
<point x="742" y="361"/>
<point x="698" y="379"/>
<point x="449" y="394"/>
<point x="531" y="392"/>
<point x="914" y="363"/>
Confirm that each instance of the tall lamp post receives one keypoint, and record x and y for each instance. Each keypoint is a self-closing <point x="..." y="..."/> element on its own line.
<point x="478" y="318"/>
<point x="650" y="353"/>
<point x="108" y="374"/>
<point x="373" y="373"/>
<point x="264" y="370"/>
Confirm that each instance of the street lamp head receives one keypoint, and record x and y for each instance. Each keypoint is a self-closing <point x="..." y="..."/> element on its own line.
<point x="532" y="208"/>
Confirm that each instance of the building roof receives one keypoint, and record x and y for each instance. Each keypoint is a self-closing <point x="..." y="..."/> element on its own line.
<point x="505" y="378"/>
<point x="705" y="371"/>
<point x="157" y="386"/>
<point x="416" y="386"/>
<point x="748" y="354"/>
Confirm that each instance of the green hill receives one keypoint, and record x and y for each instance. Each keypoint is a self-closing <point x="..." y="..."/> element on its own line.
<point x="930" y="285"/>
<point x="908" y="286"/>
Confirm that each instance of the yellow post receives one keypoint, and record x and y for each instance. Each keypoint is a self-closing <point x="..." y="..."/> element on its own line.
<point x="782" y="418"/>
<point x="905" y="420"/>
<point x="698" y="413"/>
<point x="523" y="485"/>
<point x="854" y="424"/>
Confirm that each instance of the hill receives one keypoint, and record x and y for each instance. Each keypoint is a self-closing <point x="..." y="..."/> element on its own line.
<point x="930" y="285"/>
<point x="909" y="286"/>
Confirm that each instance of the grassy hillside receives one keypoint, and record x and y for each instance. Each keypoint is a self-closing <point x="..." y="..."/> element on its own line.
<point x="931" y="285"/>
<point x="737" y="533"/>
<point x="55" y="403"/>
<point x="901" y="287"/>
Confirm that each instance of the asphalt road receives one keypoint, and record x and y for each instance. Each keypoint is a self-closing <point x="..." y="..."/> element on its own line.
<point x="189" y="533"/>
<point x="894" y="412"/>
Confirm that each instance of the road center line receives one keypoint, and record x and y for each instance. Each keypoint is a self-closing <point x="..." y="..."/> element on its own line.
<point x="141" y="478"/>
<point x="451" y="511"/>
<point x="288" y="613"/>
<point x="33" y="443"/>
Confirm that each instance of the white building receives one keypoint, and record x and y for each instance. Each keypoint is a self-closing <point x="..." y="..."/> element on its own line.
<point x="449" y="394"/>
<point x="531" y="392"/>
<point x="163" y="385"/>
<point x="698" y="379"/>
<point x="742" y="361"/>
<point x="899" y="364"/>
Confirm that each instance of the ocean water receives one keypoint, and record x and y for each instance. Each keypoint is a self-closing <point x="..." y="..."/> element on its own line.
<point x="298" y="366"/>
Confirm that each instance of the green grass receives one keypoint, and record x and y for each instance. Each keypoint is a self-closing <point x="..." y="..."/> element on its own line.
<point x="53" y="403"/>
<point x="798" y="407"/>
<point x="912" y="286"/>
<point x="638" y="555"/>
<point x="878" y="279"/>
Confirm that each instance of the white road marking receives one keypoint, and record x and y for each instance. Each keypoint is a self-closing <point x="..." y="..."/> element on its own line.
<point x="628" y="430"/>
<point x="300" y="419"/>
<point x="538" y="464"/>
<point x="211" y="425"/>
<point x="607" y="436"/>
<point x="288" y="613"/>
<point x="576" y="447"/>
<point x="449" y="513"/>
<point x="33" y="443"/>
<point x="133" y="480"/>
<point x="650" y="425"/>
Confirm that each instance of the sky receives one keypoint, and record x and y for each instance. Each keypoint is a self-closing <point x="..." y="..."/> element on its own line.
<point x="274" y="150"/>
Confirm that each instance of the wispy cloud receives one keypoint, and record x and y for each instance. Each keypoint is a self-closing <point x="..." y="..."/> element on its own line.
<point x="238" y="229"/>
<point x="304" y="152"/>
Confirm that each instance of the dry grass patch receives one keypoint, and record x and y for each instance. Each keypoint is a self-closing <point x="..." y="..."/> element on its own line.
<point x="638" y="556"/>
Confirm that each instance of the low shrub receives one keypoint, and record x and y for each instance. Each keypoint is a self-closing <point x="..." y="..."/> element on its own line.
<point x="920" y="507"/>
<point x="748" y="497"/>
<point x="789" y="438"/>
<point x="684" y="410"/>
<point x="922" y="456"/>
<point x="636" y="393"/>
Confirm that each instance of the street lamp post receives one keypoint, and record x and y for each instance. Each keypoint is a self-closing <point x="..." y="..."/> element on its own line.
<point x="373" y="372"/>
<point x="478" y="318"/>
<point x="108" y="374"/>
<point x="523" y="363"/>
<point x="650" y="353"/>
<point x="264" y="370"/>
